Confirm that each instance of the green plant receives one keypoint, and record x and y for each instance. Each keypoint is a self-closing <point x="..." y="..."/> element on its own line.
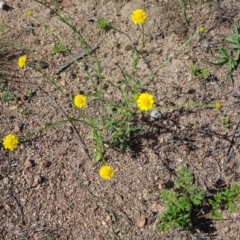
<point x="124" y="130"/>
<point x="230" y="57"/>
<point x="58" y="48"/>
<point x="199" y="72"/>
<point x="2" y="84"/>
<point x="180" y="202"/>
<point x="102" y="23"/>
<point x="115" y="123"/>
<point x="225" y="122"/>
<point x="225" y="200"/>
<point x="5" y="95"/>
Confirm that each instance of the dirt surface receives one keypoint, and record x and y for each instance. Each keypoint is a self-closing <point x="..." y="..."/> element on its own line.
<point x="50" y="189"/>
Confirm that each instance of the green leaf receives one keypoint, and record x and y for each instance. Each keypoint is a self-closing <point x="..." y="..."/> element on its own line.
<point x="216" y="214"/>
<point x="7" y="96"/>
<point x="238" y="197"/>
<point x="2" y="84"/>
<point x="98" y="156"/>
<point x="232" y="207"/>
<point x="168" y="196"/>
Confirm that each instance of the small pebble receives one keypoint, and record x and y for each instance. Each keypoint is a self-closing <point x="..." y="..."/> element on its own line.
<point x="17" y="127"/>
<point x="118" y="199"/>
<point x="145" y="195"/>
<point x="37" y="180"/>
<point x="5" y="180"/>
<point x="155" y="115"/>
<point x="7" y="207"/>
<point x="230" y="165"/>
<point x="141" y="222"/>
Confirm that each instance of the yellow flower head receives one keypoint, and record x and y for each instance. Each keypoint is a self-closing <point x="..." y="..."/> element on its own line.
<point x="201" y="29"/>
<point x="139" y="16"/>
<point x="80" y="100"/>
<point x="10" y="142"/>
<point x="29" y="13"/>
<point x="218" y="105"/>
<point x="22" y="61"/>
<point x="145" y="101"/>
<point x="106" y="172"/>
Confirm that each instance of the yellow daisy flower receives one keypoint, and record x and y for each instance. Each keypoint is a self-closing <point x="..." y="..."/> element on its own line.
<point x="106" y="172"/>
<point x="139" y="16"/>
<point x="201" y="29"/>
<point x="218" y="105"/>
<point x="29" y="13"/>
<point x="145" y="101"/>
<point x="80" y="100"/>
<point x="10" y="142"/>
<point x="22" y="61"/>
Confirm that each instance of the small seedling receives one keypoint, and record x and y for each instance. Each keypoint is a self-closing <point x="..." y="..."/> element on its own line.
<point x="225" y="122"/>
<point x="2" y="84"/>
<point x="199" y="72"/>
<point x="230" y="57"/>
<point x="180" y="202"/>
<point x="7" y="96"/>
<point x="102" y="23"/>
<point x="225" y="201"/>
<point x="58" y="48"/>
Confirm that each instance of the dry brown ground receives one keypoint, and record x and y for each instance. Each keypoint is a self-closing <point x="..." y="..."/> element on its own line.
<point x="50" y="190"/>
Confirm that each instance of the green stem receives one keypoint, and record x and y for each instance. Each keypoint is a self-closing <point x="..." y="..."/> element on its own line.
<point x="143" y="39"/>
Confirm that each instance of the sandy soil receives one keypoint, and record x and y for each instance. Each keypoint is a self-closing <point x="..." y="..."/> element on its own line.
<point x="49" y="188"/>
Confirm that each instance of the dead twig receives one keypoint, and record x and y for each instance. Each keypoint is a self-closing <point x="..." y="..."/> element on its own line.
<point x="80" y="140"/>
<point x="228" y="154"/>
<point x="220" y="169"/>
<point x="75" y="58"/>
<point x="19" y="206"/>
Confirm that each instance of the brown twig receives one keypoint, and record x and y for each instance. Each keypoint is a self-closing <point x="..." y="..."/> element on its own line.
<point x="81" y="142"/>
<point x="231" y="143"/>
<point x="75" y="58"/>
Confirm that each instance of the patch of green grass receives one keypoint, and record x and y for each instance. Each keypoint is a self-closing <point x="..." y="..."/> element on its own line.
<point x="199" y="72"/>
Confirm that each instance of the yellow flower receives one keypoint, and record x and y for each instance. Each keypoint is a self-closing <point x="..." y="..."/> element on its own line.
<point x="80" y="100"/>
<point x="139" y="16"/>
<point x="106" y="172"/>
<point x="29" y="13"/>
<point x="201" y="29"/>
<point x="22" y="61"/>
<point x="145" y="101"/>
<point x="218" y="105"/>
<point x="10" y="142"/>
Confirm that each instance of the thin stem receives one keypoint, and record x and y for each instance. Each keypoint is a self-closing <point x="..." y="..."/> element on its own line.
<point x="143" y="39"/>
